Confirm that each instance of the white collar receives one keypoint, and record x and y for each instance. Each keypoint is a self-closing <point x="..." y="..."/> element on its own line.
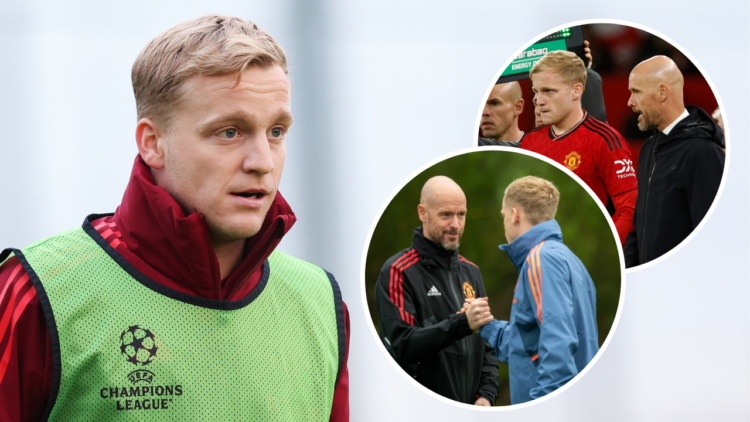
<point x="677" y="120"/>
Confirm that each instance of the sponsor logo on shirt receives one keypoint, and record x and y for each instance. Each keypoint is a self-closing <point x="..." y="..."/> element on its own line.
<point x="468" y="291"/>
<point x="626" y="166"/>
<point x="433" y="292"/>
<point x="572" y="160"/>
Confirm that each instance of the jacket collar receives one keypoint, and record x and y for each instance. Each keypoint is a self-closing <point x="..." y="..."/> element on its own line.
<point x="430" y="251"/>
<point x="157" y="231"/>
<point x="679" y="118"/>
<point x="518" y="249"/>
<point x="698" y="124"/>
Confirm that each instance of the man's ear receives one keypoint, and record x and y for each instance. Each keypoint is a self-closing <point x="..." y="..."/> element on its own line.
<point x="150" y="143"/>
<point x="518" y="106"/>
<point x="577" y="91"/>
<point x="422" y="210"/>
<point x="663" y="92"/>
<point x="516" y="216"/>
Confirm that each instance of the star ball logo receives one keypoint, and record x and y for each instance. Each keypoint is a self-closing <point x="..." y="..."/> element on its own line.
<point x="138" y="345"/>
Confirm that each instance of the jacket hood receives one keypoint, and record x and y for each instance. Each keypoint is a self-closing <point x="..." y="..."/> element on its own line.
<point x="430" y="252"/>
<point x="518" y="249"/>
<point x="698" y="124"/>
<point x="157" y="231"/>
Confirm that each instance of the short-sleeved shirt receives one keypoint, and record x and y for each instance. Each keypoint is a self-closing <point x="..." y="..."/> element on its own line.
<point x="592" y="150"/>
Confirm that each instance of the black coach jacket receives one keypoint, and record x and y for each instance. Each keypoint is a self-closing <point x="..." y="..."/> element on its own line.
<point x="418" y="293"/>
<point x="678" y="177"/>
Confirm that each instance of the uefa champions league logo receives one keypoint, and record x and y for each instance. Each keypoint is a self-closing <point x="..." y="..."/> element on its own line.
<point x="138" y="345"/>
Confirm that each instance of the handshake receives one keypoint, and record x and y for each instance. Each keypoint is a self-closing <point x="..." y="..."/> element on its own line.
<point x="477" y="313"/>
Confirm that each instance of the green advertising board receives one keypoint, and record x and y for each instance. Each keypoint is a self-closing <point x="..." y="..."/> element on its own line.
<point x="569" y="39"/>
<point x="524" y="61"/>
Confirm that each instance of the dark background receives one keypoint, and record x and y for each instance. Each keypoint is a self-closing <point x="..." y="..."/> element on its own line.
<point x="484" y="176"/>
<point x="616" y="50"/>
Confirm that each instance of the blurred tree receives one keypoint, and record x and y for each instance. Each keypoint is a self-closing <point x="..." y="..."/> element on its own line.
<point x="484" y="176"/>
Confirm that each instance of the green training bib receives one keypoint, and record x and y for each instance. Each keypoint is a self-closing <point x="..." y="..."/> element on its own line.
<point x="127" y="348"/>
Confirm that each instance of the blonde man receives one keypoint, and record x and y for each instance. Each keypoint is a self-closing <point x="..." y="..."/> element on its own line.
<point x="552" y="333"/>
<point x="178" y="306"/>
<point x="591" y="149"/>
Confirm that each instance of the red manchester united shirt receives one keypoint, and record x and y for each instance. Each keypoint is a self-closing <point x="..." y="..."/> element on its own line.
<point x="592" y="150"/>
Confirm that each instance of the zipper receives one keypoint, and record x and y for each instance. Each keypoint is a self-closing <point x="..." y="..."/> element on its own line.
<point x="453" y="289"/>
<point x="648" y="189"/>
<point x="462" y="343"/>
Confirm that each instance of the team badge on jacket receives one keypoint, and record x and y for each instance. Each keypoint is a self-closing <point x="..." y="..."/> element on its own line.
<point x="468" y="291"/>
<point x="572" y="160"/>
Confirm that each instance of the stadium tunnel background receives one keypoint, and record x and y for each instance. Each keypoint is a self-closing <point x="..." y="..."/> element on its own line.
<point x="616" y="50"/>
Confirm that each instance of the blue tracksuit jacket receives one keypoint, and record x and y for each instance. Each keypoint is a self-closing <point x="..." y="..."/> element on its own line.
<point x="552" y="332"/>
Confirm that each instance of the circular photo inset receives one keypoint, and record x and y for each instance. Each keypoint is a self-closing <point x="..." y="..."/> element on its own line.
<point x="493" y="278"/>
<point x="627" y="112"/>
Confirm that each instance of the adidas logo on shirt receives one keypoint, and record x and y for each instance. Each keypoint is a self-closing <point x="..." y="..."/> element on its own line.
<point x="433" y="292"/>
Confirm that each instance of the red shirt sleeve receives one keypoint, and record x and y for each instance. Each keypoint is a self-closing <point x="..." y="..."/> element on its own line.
<point x="624" y="209"/>
<point x="25" y="353"/>
<point x="340" y="409"/>
<point x="616" y="166"/>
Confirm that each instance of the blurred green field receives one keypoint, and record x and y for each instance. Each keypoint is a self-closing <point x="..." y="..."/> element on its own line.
<point x="484" y="176"/>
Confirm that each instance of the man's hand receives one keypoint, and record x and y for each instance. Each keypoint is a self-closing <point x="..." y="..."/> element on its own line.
<point x="467" y="302"/>
<point x="482" y="402"/>
<point x="588" y="55"/>
<point x="478" y="313"/>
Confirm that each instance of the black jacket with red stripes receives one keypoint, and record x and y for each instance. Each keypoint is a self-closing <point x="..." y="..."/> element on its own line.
<point x="419" y="291"/>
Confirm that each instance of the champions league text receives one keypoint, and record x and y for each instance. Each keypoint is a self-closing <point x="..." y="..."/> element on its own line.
<point x="141" y="404"/>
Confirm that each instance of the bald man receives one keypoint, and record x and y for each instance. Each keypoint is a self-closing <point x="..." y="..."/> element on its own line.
<point x="500" y="116"/>
<point x="680" y="164"/>
<point x="418" y="294"/>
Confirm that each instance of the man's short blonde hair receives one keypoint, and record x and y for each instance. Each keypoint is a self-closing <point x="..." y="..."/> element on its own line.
<point x="567" y="65"/>
<point x="211" y="45"/>
<point x="538" y="198"/>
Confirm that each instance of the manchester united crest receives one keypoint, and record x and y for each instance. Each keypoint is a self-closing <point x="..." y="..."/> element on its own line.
<point x="468" y="291"/>
<point x="572" y="160"/>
